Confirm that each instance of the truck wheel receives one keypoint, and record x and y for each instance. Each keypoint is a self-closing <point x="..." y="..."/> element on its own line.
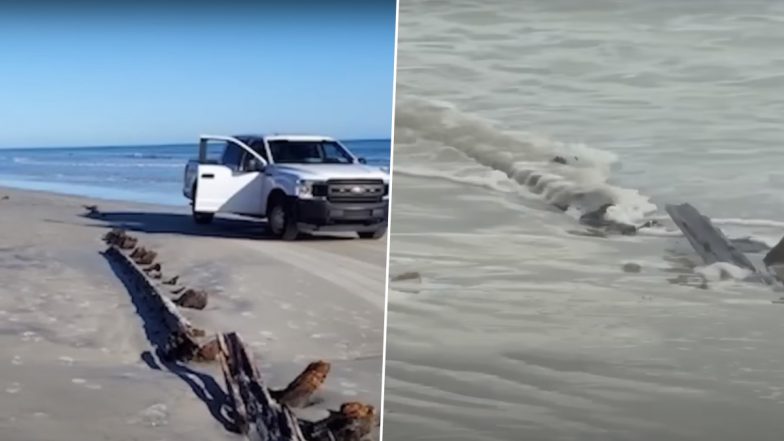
<point x="199" y="217"/>
<point x="202" y="218"/>
<point x="282" y="222"/>
<point x="378" y="234"/>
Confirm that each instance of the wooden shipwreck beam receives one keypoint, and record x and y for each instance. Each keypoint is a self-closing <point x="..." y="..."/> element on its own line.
<point x="182" y="341"/>
<point x="260" y="416"/>
<point x="707" y="240"/>
<point x="257" y="412"/>
<point x="710" y="242"/>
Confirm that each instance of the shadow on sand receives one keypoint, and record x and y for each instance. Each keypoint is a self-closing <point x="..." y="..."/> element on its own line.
<point x="182" y="223"/>
<point x="203" y="385"/>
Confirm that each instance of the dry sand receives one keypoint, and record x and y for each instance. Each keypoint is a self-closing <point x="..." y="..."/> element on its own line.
<point x="74" y="358"/>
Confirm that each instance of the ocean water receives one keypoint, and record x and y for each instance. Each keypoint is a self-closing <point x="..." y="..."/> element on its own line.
<point x="522" y="325"/>
<point x="151" y="174"/>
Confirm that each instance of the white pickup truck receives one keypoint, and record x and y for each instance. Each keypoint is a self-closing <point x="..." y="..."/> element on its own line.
<point x="300" y="184"/>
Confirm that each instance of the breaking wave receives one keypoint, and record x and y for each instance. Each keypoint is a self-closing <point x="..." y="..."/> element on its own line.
<point x="561" y="174"/>
<point x="78" y="164"/>
<point x="150" y="156"/>
<point x="722" y="271"/>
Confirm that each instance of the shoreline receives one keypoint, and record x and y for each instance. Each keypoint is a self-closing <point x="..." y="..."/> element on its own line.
<point x="89" y="192"/>
<point x="71" y="333"/>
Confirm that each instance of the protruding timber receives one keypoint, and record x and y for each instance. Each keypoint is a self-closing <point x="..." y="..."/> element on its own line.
<point x="257" y="412"/>
<point x="146" y="258"/>
<point x="353" y="422"/>
<point x="192" y="298"/>
<point x="298" y="393"/>
<point x="775" y="256"/>
<point x="708" y="241"/>
<point x="137" y="252"/>
<point x="153" y="267"/>
<point x="128" y="243"/>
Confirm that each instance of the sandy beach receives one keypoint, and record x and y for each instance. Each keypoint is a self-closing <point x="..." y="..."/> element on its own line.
<point x="74" y="359"/>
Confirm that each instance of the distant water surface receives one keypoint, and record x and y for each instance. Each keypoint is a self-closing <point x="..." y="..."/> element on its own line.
<point x="151" y="174"/>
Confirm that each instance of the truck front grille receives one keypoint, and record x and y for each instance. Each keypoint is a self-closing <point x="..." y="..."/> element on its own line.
<point x="320" y="190"/>
<point x="356" y="190"/>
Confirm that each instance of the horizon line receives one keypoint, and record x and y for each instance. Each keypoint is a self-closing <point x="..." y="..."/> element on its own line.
<point x="165" y="144"/>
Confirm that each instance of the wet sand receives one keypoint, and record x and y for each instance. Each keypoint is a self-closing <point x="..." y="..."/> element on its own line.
<point x="74" y="359"/>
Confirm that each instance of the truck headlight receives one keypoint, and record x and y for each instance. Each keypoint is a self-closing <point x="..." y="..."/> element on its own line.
<point x="308" y="189"/>
<point x="304" y="189"/>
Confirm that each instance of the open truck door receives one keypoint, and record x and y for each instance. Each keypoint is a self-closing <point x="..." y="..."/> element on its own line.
<point x="234" y="184"/>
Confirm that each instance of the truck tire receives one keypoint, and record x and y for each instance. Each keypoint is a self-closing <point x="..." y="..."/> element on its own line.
<point x="199" y="217"/>
<point x="378" y="234"/>
<point x="202" y="218"/>
<point x="281" y="221"/>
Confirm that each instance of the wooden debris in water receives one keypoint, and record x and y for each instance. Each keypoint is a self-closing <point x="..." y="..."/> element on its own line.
<point x="410" y="275"/>
<point x="631" y="267"/>
<point x="708" y="241"/>
<point x="692" y="280"/>
<point x="776" y="255"/>
<point x="171" y="280"/>
<point x="598" y="219"/>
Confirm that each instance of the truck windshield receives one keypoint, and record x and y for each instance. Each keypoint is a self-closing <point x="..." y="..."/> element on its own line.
<point x="309" y="152"/>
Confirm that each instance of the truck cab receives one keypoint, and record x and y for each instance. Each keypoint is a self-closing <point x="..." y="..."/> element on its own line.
<point x="299" y="183"/>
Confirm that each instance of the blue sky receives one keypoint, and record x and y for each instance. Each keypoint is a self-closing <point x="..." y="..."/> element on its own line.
<point x="160" y="76"/>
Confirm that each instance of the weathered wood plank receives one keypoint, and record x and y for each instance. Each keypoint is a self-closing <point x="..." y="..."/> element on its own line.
<point x="262" y="417"/>
<point x="181" y="341"/>
<point x="257" y="412"/>
<point x="174" y="319"/>
<point x="707" y="240"/>
<point x="298" y="393"/>
<point x="776" y="255"/>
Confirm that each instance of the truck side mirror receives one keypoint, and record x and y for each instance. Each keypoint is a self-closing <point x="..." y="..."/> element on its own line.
<point x="255" y="165"/>
<point x="362" y="160"/>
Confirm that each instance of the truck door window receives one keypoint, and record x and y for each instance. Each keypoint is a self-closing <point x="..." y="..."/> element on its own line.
<point x="245" y="165"/>
<point x="232" y="156"/>
<point x="308" y="152"/>
<point x="334" y="154"/>
<point x="258" y="147"/>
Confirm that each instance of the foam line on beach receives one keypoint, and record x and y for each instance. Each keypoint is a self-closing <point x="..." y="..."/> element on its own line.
<point x="562" y="174"/>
